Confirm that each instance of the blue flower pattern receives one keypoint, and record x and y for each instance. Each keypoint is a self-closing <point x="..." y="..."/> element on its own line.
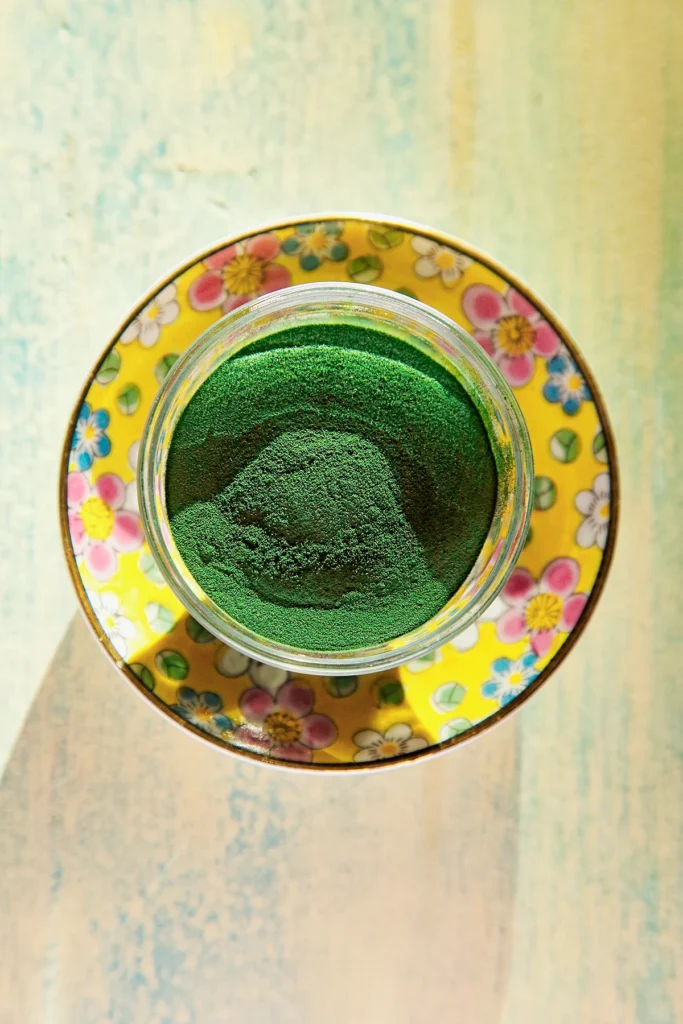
<point x="90" y="441"/>
<point x="315" y="243"/>
<point x="565" y="385"/>
<point x="203" y="710"/>
<point x="510" y="678"/>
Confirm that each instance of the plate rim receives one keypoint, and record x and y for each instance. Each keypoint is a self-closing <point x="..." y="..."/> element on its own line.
<point x="443" y="746"/>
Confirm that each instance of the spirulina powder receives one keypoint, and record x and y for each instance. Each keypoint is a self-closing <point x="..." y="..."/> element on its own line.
<point x="330" y="487"/>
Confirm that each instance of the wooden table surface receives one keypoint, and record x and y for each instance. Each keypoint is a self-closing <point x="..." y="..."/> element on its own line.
<point x="533" y="877"/>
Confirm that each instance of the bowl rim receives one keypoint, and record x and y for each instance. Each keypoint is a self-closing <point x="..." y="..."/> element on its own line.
<point x="434" y="750"/>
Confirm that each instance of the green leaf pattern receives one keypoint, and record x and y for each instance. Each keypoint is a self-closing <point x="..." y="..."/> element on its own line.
<point x="128" y="399"/>
<point x="448" y="697"/>
<point x="172" y="664"/>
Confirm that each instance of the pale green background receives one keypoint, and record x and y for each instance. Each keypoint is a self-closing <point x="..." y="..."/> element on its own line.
<point x="534" y="877"/>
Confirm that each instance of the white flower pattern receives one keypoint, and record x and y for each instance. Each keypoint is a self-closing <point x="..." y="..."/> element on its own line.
<point x="436" y="260"/>
<point x="119" y="629"/>
<point x="594" y="507"/>
<point x="231" y="663"/>
<point x="397" y="740"/>
<point x="146" y="327"/>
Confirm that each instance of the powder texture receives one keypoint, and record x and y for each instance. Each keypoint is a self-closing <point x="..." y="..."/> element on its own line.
<point x="330" y="487"/>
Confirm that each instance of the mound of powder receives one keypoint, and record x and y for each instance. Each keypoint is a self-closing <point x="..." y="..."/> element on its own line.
<point x="330" y="487"/>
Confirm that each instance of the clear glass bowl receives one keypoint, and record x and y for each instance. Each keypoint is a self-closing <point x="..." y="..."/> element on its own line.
<point x="416" y="324"/>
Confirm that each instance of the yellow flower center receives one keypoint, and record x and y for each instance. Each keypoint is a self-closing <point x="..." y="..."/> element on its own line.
<point x="152" y="312"/>
<point x="389" y="748"/>
<point x="316" y="242"/>
<point x="244" y="274"/>
<point x="202" y="714"/>
<point x="574" y="383"/>
<point x="544" y="611"/>
<point x="97" y="518"/>
<point x="445" y="260"/>
<point x="603" y="511"/>
<point x="515" y="335"/>
<point x="283" y="727"/>
<point x="89" y="432"/>
<point x="515" y="679"/>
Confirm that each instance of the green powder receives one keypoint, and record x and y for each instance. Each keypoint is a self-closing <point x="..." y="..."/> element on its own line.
<point x="330" y="487"/>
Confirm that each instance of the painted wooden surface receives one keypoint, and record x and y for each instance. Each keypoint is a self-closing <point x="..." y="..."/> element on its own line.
<point x="535" y="876"/>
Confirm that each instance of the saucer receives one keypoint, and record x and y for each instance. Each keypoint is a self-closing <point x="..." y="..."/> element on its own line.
<point x="343" y="722"/>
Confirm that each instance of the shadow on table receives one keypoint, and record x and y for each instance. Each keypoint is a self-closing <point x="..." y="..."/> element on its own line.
<point x="148" y="877"/>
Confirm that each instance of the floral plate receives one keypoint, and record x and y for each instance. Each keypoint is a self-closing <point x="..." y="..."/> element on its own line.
<point x="345" y="722"/>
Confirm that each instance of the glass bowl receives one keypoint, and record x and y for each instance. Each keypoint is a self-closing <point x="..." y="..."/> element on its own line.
<point x="433" y="334"/>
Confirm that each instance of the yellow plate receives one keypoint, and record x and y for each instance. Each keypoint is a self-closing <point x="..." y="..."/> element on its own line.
<point x="348" y="723"/>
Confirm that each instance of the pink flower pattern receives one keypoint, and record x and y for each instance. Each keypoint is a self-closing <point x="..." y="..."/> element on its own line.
<point x="284" y="725"/>
<point x="101" y="526"/>
<point x="510" y="329"/>
<point x="239" y="273"/>
<point x="540" y="609"/>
